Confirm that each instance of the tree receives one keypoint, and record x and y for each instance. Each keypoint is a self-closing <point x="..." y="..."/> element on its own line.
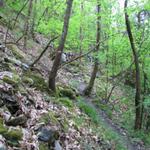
<point x="88" y="89"/>
<point x="55" y="67"/>
<point x="138" y="103"/>
<point x="81" y="28"/>
<point x="26" y="26"/>
<point x="1" y="3"/>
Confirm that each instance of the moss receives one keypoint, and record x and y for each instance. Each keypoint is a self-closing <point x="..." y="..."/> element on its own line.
<point x="66" y="92"/>
<point x="9" y="67"/>
<point x="43" y="146"/>
<point x="38" y="81"/>
<point x="22" y="90"/>
<point x="64" y="123"/>
<point x="27" y="80"/>
<point x="3" y="129"/>
<point x="14" y="80"/>
<point x="13" y="135"/>
<point x="16" y="51"/>
<point x="49" y="117"/>
<point x="65" y="101"/>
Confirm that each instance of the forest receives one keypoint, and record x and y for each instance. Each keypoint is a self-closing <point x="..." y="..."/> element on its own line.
<point x="74" y="75"/>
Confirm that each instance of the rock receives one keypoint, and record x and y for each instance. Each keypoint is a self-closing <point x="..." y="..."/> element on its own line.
<point x="10" y="102"/>
<point x="57" y="145"/>
<point x="13" y="61"/>
<point x="38" y="81"/>
<point x="15" y="121"/>
<point x="16" y="62"/>
<point x="9" y="77"/>
<point x="13" y="136"/>
<point x="16" y="51"/>
<point x="67" y="92"/>
<point x="2" y="143"/>
<point x="2" y="48"/>
<point x="48" y="135"/>
<point x="2" y="146"/>
<point x="6" y="115"/>
<point x="27" y="80"/>
<point x="3" y="129"/>
<point x="43" y="146"/>
<point x="25" y="66"/>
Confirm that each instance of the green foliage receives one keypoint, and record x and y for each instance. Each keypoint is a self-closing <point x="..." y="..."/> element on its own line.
<point x="66" y="102"/>
<point x="89" y="110"/>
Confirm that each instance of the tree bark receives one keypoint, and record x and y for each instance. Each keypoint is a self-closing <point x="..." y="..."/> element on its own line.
<point x="26" y="26"/>
<point x="55" y="67"/>
<point x="138" y="103"/>
<point x="88" y="89"/>
<point x="81" y="29"/>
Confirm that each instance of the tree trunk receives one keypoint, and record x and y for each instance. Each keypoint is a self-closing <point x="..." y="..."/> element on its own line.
<point x="138" y="121"/>
<point x="26" y="26"/>
<point x="55" y="67"/>
<point x="34" y="20"/>
<point x="1" y="3"/>
<point x="88" y="89"/>
<point x="81" y="29"/>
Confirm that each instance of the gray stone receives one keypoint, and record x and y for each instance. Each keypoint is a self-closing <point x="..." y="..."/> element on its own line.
<point x="48" y="135"/>
<point x="57" y="145"/>
<point x="15" y="121"/>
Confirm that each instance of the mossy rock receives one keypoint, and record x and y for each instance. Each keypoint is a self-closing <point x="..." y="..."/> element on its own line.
<point x="49" y="117"/>
<point x="14" y="80"/>
<point x="22" y="90"/>
<point x="16" y="51"/>
<point x="67" y="92"/>
<point x="13" y="137"/>
<point x="14" y="134"/>
<point x="27" y="80"/>
<point x="43" y="146"/>
<point x="38" y="81"/>
<point x="3" y="129"/>
<point x="8" y="67"/>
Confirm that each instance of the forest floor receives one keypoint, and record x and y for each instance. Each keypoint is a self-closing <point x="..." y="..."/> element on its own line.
<point x="77" y="78"/>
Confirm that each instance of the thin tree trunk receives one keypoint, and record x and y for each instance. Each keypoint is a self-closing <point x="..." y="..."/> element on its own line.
<point x="42" y="16"/>
<point x="26" y="26"/>
<point x="81" y="29"/>
<point x="55" y="67"/>
<point x="15" y="20"/>
<point x="88" y="89"/>
<point x="33" y="20"/>
<point x="138" y="103"/>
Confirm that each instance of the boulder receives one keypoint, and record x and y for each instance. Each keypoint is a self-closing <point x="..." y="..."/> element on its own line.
<point x="48" y="135"/>
<point x="15" y="121"/>
<point x="16" y="51"/>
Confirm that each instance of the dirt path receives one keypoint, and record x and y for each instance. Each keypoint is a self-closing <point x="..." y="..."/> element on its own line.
<point x="122" y="134"/>
<point x="124" y="138"/>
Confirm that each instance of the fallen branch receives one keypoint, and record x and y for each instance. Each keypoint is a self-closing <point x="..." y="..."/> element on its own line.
<point x="42" y="53"/>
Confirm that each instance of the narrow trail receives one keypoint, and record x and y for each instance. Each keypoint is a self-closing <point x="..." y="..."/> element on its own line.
<point x="124" y="138"/>
<point x="122" y="134"/>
